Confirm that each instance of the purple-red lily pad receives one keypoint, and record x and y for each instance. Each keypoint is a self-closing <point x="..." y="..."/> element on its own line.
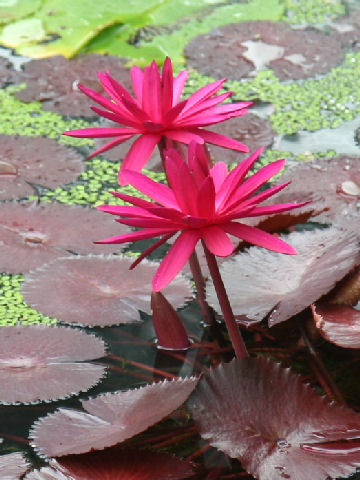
<point x="260" y="281"/>
<point x="6" y="72"/>
<point x="338" y="324"/>
<point x="40" y="161"/>
<point x="53" y="81"/>
<point x="97" y="290"/>
<point x="111" y="418"/>
<point x="13" y="466"/>
<point x="32" y="235"/>
<point x="332" y="185"/>
<point x="279" y="428"/>
<point x="250" y="129"/>
<point x="346" y="30"/>
<point x="116" y="464"/>
<point x="240" y="50"/>
<point x="40" y="363"/>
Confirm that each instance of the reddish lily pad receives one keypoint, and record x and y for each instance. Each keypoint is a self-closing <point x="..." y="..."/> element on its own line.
<point x="263" y="415"/>
<point x="97" y="290"/>
<point x="41" y="363"/>
<point x="333" y="183"/>
<point x="112" y="418"/>
<point x="347" y="30"/>
<point x="240" y="50"/>
<point x="116" y="464"/>
<point x="285" y="285"/>
<point x="53" y="81"/>
<point x="6" y="72"/>
<point x="39" y="161"/>
<point x="32" y="235"/>
<point x="13" y="466"/>
<point x="250" y="129"/>
<point x="338" y="324"/>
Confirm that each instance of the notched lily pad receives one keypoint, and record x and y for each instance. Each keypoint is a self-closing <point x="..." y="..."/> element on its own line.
<point x="116" y="464"/>
<point x="31" y="235"/>
<point x="338" y="324"/>
<point x="53" y="81"/>
<point x="97" y="290"/>
<point x="42" y="363"/>
<point x="242" y="49"/>
<point x="282" y="284"/>
<point x="111" y="418"/>
<point x="332" y="183"/>
<point x="13" y="466"/>
<point x="35" y="160"/>
<point x="263" y="415"/>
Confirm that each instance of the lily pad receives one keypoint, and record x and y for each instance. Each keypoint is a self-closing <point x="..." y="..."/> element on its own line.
<point x="13" y="466"/>
<point x="111" y="418"/>
<point x="279" y="428"/>
<point x="11" y="10"/>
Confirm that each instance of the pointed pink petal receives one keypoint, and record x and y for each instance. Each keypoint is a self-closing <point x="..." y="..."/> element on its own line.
<point x="204" y="93"/>
<point x="99" y="132"/>
<point x="139" y="202"/>
<point x="254" y="182"/>
<point x="206" y="199"/>
<point x="125" y="211"/>
<point x="135" y="236"/>
<point x="113" y="88"/>
<point x="184" y="136"/>
<point x="218" y="139"/>
<point x="151" y="222"/>
<point x="269" y="210"/>
<point x="198" y="161"/>
<point x="151" y="97"/>
<point x="159" y="192"/>
<point x="116" y="117"/>
<point x="235" y="178"/>
<point x="107" y="146"/>
<point x="181" y="182"/>
<point x="206" y="118"/>
<point x="260" y="197"/>
<point x="258" y="237"/>
<point x="179" y="83"/>
<point x="217" y="241"/>
<point x="139" y="154"/>
<point x="206" y="105"/>
<point x="137" y="78"/>
<point x="167" y="86"/>
<point x="173" y="113"/>
<point x="153" y="247"/>
<point x="175" y="259"/>
<point x="219" y="173"/>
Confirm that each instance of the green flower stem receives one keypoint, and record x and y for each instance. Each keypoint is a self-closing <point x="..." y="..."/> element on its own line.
<point x="231" y="325"/>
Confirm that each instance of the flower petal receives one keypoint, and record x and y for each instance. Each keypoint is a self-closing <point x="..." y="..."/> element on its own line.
<point x="179" y="83"/>
<point x="184" y="136"/>
<point x="99" y="132"/>
<point x="167" y="81"/>
<point x="206" y="199"/>
<point x="258" y="237"/>
<point x="175" y="259"/>
<point x="203" y="93"/>
<point x="217" y="241"/>
<point x="137" y="78"/>
<point x="114" y="143"/>
<point x="135" y="236"/>
<point x="218" y="139"/>
<point x="139" y="154"/>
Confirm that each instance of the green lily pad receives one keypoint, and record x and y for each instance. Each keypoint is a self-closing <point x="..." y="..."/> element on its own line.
<point x="22" y="32"/>
<point x="11" y="10"/>
<point x="74" y="24"/>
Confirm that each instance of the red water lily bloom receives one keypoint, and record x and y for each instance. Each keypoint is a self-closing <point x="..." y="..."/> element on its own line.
<point x="156" y="112"/>
<point x="200" y="204"/>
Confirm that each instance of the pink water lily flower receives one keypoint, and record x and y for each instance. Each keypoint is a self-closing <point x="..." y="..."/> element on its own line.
<point x="201" y="204"/>
<point x="156" y="112"/>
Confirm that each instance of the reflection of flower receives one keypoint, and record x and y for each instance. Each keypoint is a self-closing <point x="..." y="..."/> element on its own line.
<point x="156" y="112"/>
<point x="201" y="204"/>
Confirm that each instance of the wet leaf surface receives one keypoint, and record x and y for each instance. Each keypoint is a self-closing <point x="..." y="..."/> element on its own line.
<point x="13" y="466"/>
<point x="263" y="415"/>
<point x="111" y="418"/>
<point x="97" y="290"/>
<point x="285" y="285"/>
<point x="32" y="235"/>
<point x="39" y="363"/>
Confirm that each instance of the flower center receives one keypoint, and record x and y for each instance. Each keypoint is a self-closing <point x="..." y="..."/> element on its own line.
<point x="152" y="126"/>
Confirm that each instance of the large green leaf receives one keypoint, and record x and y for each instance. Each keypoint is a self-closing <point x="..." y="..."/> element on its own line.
<point x="11" y="10"/>
<point x="70" y="25"/>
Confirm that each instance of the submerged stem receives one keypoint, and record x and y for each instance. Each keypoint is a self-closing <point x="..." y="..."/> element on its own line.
<point x="231" y="325"/>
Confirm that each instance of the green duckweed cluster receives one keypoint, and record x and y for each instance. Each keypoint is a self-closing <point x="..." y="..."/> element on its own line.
<point x="312" y="11"/>
<point x="13" y="310"/>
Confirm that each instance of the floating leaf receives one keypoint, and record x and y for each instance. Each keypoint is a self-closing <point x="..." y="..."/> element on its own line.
<point x="53" y="81"/>
<point x="112" y="418"/>
<point x="339" y="324"/>
<point x="40" y="363"/>
<point x="263" y="415"/>
<point x="36" y="160"/>
<point x="11" y="10"/>
<point x="32" y="235"/>
<point x="260" y="45"/>
<point x="287" y="284"/>
<point x="97" y="290"/>
<point x="13" y="466"/>
<point x="116" y="464"/>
